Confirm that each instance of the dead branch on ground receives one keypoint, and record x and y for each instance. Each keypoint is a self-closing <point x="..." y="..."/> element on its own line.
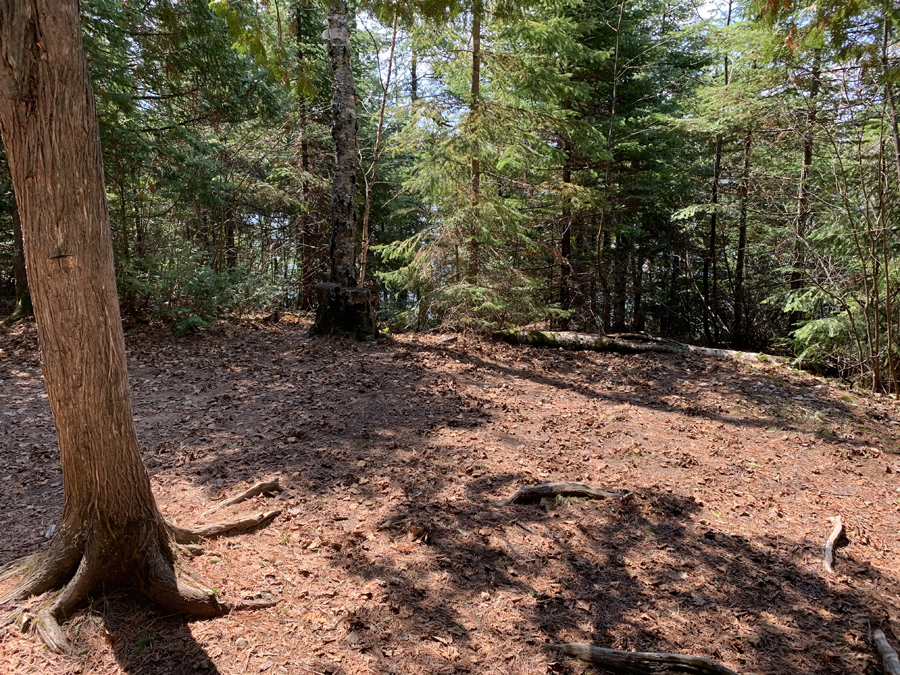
<point x="641" y="663"/>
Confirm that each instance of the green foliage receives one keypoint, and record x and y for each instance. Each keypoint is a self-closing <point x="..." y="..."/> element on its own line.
<point x="185" y="292"/>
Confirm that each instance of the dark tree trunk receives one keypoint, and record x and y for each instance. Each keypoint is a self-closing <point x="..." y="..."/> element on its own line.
<point x="603" y="278"/>
<point x="620" y="284"/>
<point x="738" y="332"/>
<point x="710" y="296"/>
<point x="473" y="238"/>
<point x="307" y="268"/>
<point x="337" y="317"/>
<point x="414" y="77"/>
<point x="565" y="253"/>
<point x="111" y="529"/>
<point x="230" y="243"/>
<point x="710" y="260"/>
<point x="637" y="283"/>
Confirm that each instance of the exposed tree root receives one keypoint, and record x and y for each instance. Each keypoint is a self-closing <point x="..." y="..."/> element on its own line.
<point x="146" y="559"/>
<point x="838" y="538"/>
<point x="47" y="570"/>
<point x="641" y="663"/>
<point x="192" y="536"/>
<point x="888" y="654"/>
<point x="259" y="489"/>
<point x="64" y="605"/>
<point x="535" y="493"/>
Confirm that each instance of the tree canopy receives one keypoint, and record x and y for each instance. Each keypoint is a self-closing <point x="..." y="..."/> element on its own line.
<point x="726" y="179"/>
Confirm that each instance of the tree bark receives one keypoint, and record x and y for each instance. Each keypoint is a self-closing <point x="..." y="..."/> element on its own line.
<point x="346" y="308"/>
<point x="344" y="127"/>
<point x="111" y="529"/>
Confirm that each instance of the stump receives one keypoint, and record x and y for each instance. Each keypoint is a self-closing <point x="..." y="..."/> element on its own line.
<point x="344" y="311"/>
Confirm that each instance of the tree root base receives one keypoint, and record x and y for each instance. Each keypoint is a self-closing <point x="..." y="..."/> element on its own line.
<point x="76" y="567"/>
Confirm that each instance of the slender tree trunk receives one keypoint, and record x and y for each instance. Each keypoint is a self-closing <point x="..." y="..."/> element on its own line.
<point x="23" y="295"/>
<point x="111" y="529"/>
<point x="620" y="283"/>
<point x="710" y="260"/>
<point x="602" y="229"/>
<point x="370" y="184"/>
<point x="637" y="283"/>
<point x="414" y="76"/>
<point x="473" y="243"/>
<point x="738" y="331"/>
<point x="307" y="273"/>
<point x="565" y="251"/>
<point x="230" y="243"/>
<point x="801" y="222"/>
<point x="710" y="296"/>
<point x="895" y="137"/>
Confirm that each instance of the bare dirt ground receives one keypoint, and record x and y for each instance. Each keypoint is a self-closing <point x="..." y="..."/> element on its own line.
<point x="392" y="554"/>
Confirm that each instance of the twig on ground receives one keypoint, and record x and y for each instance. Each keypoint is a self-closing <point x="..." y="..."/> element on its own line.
<point x="888" y="655"/>
<point x="262" y="488"/>
<point x="534" y="493"/>
<point x="641" y="663"/>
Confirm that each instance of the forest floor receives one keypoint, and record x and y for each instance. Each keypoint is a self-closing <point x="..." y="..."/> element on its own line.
<point x="393" y="553"/>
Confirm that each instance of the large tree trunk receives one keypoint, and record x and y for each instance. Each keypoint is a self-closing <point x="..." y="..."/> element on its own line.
<point x="343" y="130"/>
<point x="111" y="529"/>
<point x="332" y="317"/>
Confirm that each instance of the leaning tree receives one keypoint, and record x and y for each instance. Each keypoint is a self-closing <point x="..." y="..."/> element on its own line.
<point x="111" y="529"/>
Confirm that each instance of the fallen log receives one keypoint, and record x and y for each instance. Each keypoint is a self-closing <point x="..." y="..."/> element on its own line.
<point x="623" y="343"/>
<point x="641" y="663"/>
<point x="568" y="339"/>
<point x="888" y="655"/>
<point x="535" y="493"/>
<point x="838" y="538"/>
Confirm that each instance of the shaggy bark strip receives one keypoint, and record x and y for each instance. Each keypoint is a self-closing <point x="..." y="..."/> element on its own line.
<point x="888" y="654"/>
<point x="535" y="493"/>
<point x="262" y="488"/>
<point x="641" y="663"/>
<point x="837" y="539"/>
